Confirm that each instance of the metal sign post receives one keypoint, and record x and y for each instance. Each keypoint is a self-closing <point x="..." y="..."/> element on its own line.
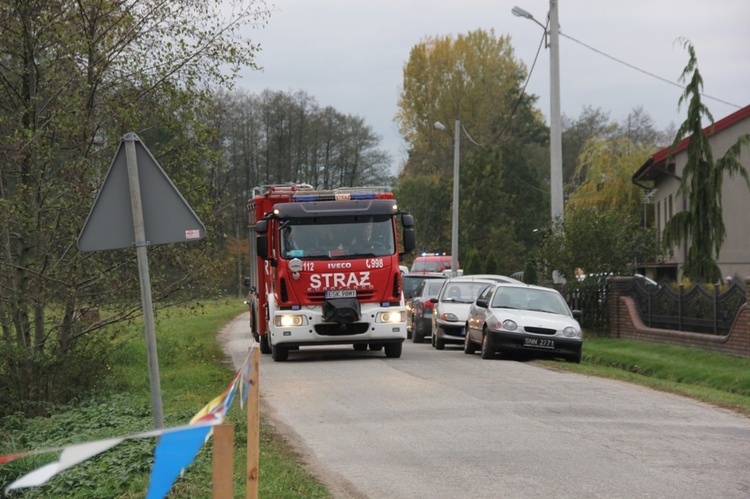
<point x="145" y="277"/>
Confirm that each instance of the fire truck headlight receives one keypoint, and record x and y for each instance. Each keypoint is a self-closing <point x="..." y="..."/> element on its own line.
<point x="392" y="317"/>
<point x="289" y="320"/>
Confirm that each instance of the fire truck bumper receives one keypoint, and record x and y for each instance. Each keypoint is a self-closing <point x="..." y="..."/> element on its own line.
<point x="307" y="327"/>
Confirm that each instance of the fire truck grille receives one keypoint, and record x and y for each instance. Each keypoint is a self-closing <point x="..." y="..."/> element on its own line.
<point x="341" y="329"/>
<point x="320" y="297"/>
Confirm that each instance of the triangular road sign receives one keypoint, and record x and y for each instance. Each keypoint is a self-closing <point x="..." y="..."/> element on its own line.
<point x="167" y="217"/>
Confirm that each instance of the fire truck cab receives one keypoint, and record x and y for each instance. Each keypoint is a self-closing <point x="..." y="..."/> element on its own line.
<point x="325" y="268"/>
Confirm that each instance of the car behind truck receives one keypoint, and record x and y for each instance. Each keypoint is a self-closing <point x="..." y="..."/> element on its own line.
<point x="324" y="268"/>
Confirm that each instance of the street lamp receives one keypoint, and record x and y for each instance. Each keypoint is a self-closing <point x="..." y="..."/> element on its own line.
<point x="555" y="125"/>
<point x="454" y="230"/>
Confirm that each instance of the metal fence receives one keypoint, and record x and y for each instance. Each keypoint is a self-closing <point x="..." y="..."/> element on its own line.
<point x="699" y="309"/>
<point x="591" y="299"/>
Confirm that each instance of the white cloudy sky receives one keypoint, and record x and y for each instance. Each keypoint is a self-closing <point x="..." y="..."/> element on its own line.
<point x="350" y="54"/>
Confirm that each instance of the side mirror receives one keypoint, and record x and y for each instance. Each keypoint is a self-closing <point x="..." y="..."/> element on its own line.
<point x="482" y="303"/>
<point x="261" y="226"/>
<point x="410" y="237"/>
<point x="407" y="220"/>
<point x="261" y="242"/>
<point x="577" y="315"/>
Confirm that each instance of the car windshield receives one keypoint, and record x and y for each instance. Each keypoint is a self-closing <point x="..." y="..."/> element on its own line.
<point x="462" y="292"/>
<point x="530" y="299"/>
<point x="433" y="287"/>
<point x="410" y="285"/>
<point x="337" y="238"/>
<point x="428" y="266"/>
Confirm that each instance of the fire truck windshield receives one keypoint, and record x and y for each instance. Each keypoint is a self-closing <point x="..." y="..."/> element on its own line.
<point x="337" y="238"/>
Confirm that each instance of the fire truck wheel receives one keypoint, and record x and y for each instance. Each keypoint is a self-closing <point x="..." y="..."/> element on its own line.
<point x="393" y="350"/>
<point x="264" y="346"/>
<point x="279" y="353"/>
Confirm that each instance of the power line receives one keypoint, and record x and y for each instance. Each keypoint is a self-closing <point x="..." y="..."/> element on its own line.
<point x="643" y="70"/>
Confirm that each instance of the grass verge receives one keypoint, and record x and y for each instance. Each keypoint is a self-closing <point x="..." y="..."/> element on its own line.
<point x="715" y="378"/>
<point x="192" y="371"/>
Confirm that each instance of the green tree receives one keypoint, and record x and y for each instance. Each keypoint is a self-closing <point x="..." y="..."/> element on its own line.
<point x="476" y="79"/>
<point x="490" y="265"/>
<point x="605" y="194"/>
<point x="530" y="269"/>
<point x="76" y="77"/>
<point x="606" y="250"/>
<point x="702" y="224"/>
<point x="473" y="263"/>
<point x="605" y="167"/>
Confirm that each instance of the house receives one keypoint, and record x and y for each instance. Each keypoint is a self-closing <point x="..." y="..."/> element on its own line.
<point x="660" y="178"/>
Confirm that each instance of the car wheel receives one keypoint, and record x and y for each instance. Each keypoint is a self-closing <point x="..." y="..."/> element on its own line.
<point x="360" y="347"/>
<point x="279" y="353"/>
<point x="469" y="347"/>
<point x="439" y="342"/>
<point x="487" y="351"/>
<point x="418" y="336"/>
<point x="393" y="350"/>
<point x="575" y="358"/>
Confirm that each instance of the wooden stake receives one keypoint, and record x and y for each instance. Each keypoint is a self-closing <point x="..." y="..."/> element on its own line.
<point x="223" y="462"/>
<point x="253" y="427"/>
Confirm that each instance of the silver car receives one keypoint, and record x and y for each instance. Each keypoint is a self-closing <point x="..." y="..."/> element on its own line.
<point x="451" y="307"/>
<point x="530" y="320"/>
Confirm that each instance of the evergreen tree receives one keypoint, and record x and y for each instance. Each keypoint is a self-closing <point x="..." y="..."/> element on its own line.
<point x="529" y="271"/>
<point x="702" y="224"/>
<point x="473" y="263"/>
<point x="490" y="265"/>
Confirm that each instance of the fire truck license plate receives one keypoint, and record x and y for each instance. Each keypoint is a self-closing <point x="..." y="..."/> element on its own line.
<point x="341" y="293"/>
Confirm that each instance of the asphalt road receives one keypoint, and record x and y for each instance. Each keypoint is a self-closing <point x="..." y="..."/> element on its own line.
<point x="441" y="424"/>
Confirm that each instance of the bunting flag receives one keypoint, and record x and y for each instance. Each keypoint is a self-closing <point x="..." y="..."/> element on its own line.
<point x="12" y="457"/>
<point x="176" y="450"/>
<point x="177" y="447"/>
<point x="70" y="456"/>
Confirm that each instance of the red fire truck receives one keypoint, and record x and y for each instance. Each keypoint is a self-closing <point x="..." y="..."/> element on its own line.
<point x="325" y="268"/>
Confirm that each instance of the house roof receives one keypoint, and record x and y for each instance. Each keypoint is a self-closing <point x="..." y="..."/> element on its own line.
<point x="654" y="166"/>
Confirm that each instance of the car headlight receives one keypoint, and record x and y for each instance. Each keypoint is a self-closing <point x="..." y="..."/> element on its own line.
<point x="449" y="317"/>
<point x="510" y="325"/>
<point x="289" y="320"/>
<point x="391" y="317"/>
<point x="571" y="332"/>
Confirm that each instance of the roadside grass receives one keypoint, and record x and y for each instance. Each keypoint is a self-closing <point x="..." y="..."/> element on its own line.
<point x="193" y="371"/>
<point x="715" y="378"/>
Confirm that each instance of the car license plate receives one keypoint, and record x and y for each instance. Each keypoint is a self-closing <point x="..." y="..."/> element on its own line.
<point x="538" y="343"/>
<point x="341" y="293"/>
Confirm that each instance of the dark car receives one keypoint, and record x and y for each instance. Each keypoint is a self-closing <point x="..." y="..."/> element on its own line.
<point x="419" y="311"/>
<point x="409" y="285"/>
<point x="411" y="281"/>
